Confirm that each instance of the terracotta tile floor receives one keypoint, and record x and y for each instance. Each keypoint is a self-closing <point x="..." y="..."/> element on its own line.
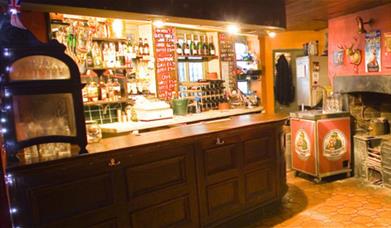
<point x="343" y="203"/>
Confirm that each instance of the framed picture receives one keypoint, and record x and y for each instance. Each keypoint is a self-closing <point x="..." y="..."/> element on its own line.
<point x="338" y="57"/>
<point x="372" y="51"/>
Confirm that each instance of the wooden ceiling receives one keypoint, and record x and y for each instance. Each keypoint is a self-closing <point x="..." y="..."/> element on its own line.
<point x="314" y="14"/>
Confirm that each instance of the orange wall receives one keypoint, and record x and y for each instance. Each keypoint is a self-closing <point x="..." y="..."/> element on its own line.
<point x="283" y="40"/>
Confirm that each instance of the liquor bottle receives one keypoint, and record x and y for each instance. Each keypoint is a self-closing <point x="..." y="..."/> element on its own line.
<point x="146" y="47"/>
<point x="106" y="56"/>
<point x="89" y="59"/>
<point x="186" y="46"/>
<point x="128" y="54"/>
<point x="116" y="90"/>
<point x="140" y="47"/>
<point x="111" y="55"/>
<point x="199" y="45"/>
<point x="136" y="49"/>
<point x="121" y="55"/>
<point x="205" y="48"/>
<point x="179" y="49"/>
<point x="84" y="94"/>
<point x="193" y="47"/>
<point x="110" y="91"/>
<point x="92" y="91"/>
<point x="212" y="49"/>
<point x="97" y="55"/>
<point x="102" y="89"/>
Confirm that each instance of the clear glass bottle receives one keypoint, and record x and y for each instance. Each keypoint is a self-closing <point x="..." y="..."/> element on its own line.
<point x="92" y="91"/>
<point x="116" y="90"/>
<point x="94" y="132"/>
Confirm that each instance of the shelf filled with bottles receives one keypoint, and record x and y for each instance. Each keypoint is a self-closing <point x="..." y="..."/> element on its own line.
<point x="196" y="49"/>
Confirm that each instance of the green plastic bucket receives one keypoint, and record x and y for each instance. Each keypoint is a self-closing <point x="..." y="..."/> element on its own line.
<point x="179" y="106"/>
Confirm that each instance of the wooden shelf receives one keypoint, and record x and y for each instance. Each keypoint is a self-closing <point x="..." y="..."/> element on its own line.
<point x="109" y="39"/>
<point x="197" y="58"/>
<point x="96" y="103"/>
<point x="108" y="68"/>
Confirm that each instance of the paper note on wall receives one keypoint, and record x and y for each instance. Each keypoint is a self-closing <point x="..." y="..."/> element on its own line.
<point x="301" y="71"/>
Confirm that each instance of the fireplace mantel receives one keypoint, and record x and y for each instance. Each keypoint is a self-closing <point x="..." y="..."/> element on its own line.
<point x="358" y="83"/>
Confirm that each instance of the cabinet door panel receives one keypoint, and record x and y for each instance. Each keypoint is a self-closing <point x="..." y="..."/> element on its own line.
<point x="259" y="185"/>
<point x="55" y="202"/>
<point x="258" y="150"/>
<point x="222" y="159"/>
<point x="173" y="213"/>
<point x="156" y="176"/>
<point x="223" y="197"/>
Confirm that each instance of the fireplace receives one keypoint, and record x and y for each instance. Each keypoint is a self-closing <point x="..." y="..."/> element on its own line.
<point x="368" y="99"/>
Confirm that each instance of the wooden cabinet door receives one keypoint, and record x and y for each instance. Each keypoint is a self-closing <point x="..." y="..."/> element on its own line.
<point x="219" y="161"/>
<point x="161" y="186"/>
<point x="69" y="193"/>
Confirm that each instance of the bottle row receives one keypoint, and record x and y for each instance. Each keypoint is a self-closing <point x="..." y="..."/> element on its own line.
<point x="114" y="89"/>
<point x="115" y="54"/>
<point x="195" y="47"/>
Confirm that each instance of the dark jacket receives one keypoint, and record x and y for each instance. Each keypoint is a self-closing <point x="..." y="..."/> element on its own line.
<point x="284" y="90"/>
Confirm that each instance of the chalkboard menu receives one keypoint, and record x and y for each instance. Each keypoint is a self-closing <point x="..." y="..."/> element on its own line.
<point x="166" y="77"/>
<point x="228" y="61"/>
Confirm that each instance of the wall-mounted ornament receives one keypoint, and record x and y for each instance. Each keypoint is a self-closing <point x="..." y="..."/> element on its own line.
<point x="361" y="24"/>
<point x="353" y="54"/>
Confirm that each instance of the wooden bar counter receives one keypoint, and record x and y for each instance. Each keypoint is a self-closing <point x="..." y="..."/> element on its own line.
<point x="199" y="175"/>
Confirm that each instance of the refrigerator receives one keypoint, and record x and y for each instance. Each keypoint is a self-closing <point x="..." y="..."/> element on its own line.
<point x="310" y="71"/>
<point x="321" y="144"/>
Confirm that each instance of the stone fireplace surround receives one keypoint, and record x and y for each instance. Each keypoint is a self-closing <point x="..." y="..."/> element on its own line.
<point x="366" y="98"/>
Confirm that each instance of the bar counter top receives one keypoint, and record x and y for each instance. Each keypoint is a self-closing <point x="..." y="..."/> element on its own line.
<point x="116" y="128"/>
<point x="201" y="128"/>
<point x="130" y="141"/>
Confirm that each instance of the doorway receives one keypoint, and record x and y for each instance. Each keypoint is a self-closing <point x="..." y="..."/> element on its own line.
<point x="290" y="55"/>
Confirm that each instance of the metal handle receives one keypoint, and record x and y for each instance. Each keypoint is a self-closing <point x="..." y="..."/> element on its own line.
<point x="219" y="141"/>
<point x="113" y="162"/>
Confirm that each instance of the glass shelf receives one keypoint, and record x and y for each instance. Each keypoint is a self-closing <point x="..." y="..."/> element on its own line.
<point x="196" y="58"/>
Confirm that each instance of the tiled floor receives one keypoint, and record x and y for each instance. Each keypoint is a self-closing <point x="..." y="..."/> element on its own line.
<point x="342" y="203"/>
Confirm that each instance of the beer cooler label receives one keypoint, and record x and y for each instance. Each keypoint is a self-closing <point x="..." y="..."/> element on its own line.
<point x="334" y="145"/>
<point x="302" y="145"/>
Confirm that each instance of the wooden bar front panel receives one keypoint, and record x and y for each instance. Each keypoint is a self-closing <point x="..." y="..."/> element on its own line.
<point x="189" y="182"/>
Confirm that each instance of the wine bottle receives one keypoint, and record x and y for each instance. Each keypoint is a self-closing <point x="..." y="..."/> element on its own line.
<point x="179" y="49"/>
<point x="193" y="47"/>
<point x="186" y="47"/>
<point x="212" y="49"/>
<point x="205" y="48"/>
<point x="140" y="46"/>
<point x="199" y="45"/>
<point x="146" y="47"/>
<point x="89" y="59"/>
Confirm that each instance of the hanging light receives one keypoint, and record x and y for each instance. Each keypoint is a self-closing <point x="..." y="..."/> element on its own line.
<point x="233" y="29"/>
<point x="158" y="23"/>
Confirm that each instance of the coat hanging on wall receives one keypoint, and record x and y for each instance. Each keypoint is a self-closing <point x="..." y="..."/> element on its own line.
<point x="284" y="90"/>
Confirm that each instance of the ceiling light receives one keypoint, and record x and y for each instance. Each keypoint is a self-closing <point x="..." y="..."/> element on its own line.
<point x="233" y="29"/>
<point x="271" y="34"/>
<point x="158" y="23"/>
